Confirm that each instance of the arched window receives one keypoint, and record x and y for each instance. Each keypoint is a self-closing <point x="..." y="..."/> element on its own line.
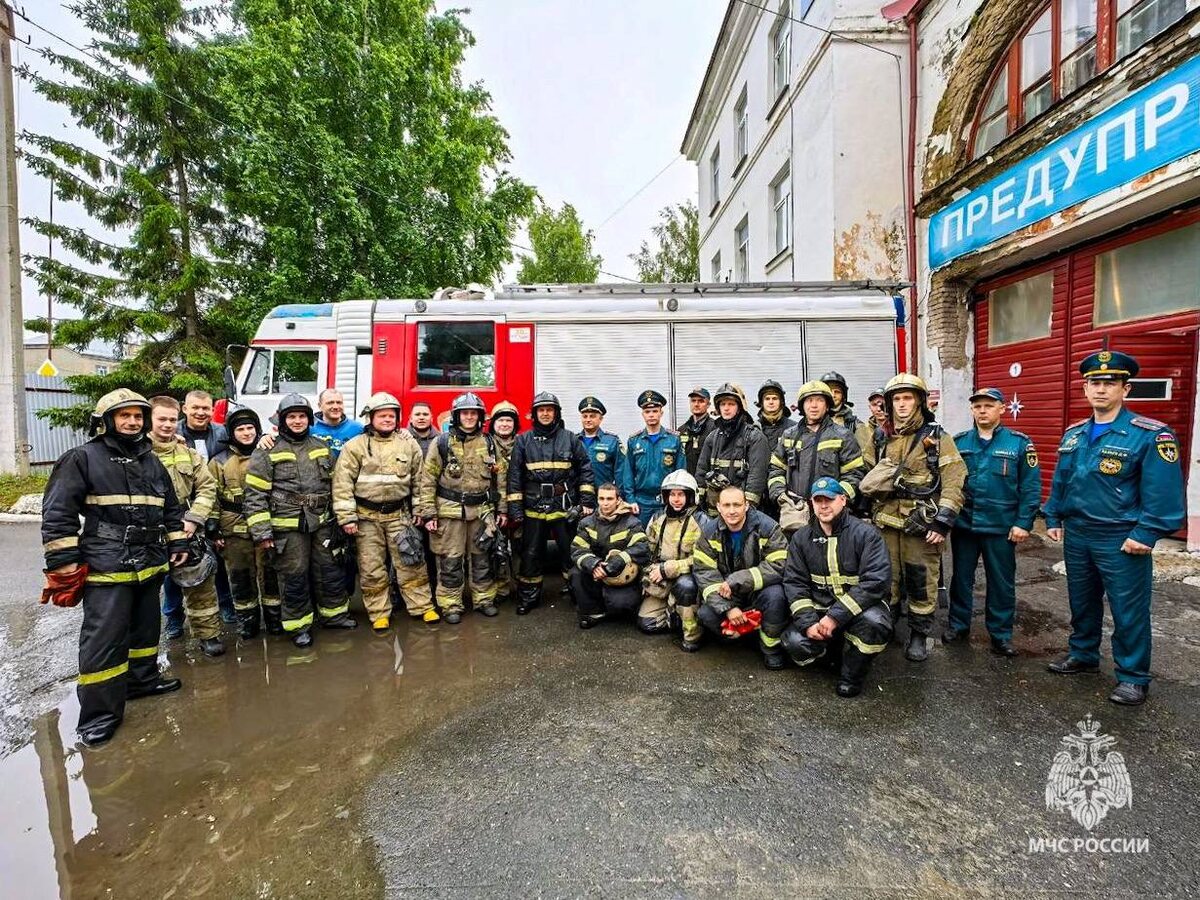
<point x="1064" y="46"/>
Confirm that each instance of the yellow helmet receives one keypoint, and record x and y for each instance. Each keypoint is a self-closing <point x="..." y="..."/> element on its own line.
<point x="905" y="381"/>
<point x="380" y="400"/>
<point x="114" y="400"/>
<point x="504" y="408"/>
<point x="730" y="391"/>
<point x="814" y="389"/>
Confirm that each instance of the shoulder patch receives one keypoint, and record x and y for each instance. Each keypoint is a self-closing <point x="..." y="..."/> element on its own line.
<point x="1078" y="424"/>
<point x="1019" y="434"/>
<point x="1147" y="423"/>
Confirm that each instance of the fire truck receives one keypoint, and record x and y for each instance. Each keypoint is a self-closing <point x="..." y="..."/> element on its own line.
<point x="610" y="341"/>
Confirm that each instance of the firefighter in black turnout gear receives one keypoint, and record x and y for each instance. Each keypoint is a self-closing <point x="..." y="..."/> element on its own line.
<point x="735" y="454"/>
<point x="698" y="427"/>
<point x="132" y="530"/>
<point x="549" y="474"/>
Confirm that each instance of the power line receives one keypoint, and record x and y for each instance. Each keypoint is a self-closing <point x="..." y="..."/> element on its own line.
<point x="612" y="215"/>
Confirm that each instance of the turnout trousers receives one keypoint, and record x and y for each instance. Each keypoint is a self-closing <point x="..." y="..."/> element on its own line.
<point x="376" y="543"/>
<point x="916" y="566"/>
<point x="999" y="568"/>
<point x="595" y="599"/>
<point x="455" y="545"/>
<point x="118" y="647"/>
<point x="253" y="582"/>
<point x="536" y="532"/>
<point x="669" y="599"/>
<point x="1096" y="567"/>
<point x="773" y="606"/>
<point x="862" y="639"/>
<point x="310" y="571"/>
<point x="203" y="609"/>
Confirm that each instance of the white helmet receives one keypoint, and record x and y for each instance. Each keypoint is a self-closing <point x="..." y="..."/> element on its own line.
<point x="680" y="480"/>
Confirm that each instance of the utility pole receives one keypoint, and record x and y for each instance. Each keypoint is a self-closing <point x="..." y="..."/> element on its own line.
<point x="14" y="442"/>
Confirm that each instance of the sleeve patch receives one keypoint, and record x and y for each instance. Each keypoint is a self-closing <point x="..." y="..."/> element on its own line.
<point x="1168" y="450"/>
<point x="1031" y="457"/>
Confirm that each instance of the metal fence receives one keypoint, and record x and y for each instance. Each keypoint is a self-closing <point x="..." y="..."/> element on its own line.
<point x="49" y="442"/>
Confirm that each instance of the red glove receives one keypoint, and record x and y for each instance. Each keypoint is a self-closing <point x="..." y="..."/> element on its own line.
<point x="753" y="623"/>
<point x="65" y="588"/>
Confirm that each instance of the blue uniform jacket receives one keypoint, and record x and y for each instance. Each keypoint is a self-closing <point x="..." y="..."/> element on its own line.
<point x="651" y="459"/>
<point x="608" y="460"/>
<point x="1128" y="479"/>
<point x="1004" y="481"/>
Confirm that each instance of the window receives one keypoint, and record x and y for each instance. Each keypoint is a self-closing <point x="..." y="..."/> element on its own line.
<point x="715" y="273"/>
<point x="743" y="138"/>
<point x="781" y="210"/>
<point x="258" y="373"/>
<point x="714" y="175"/>
<point x="781" y="49"/>
<point x="101" y="370"/>
<point x="1021" y="311"/>
<point x="1060" y="51"/>
<point x="295" y="371"/>
<point x="1149" y="389"/>
<point x="456" y="354"/>
<point x="1153" y="277"/>
<point x="741" y="243"/>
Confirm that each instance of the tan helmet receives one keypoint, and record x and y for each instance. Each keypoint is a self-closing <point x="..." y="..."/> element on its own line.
<point x="114" y="400"/>
<point x="731" y="392"/>
<point x="626" y="576"/>
<point x="380" y="400"/>
<point x="504" y="408"/>
<point x="905" y="381"/>
<point x="814" y="389"/>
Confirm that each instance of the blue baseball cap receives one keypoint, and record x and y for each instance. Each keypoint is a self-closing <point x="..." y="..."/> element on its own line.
<point x="988" y="393"/>
<point x="827" y="487"/>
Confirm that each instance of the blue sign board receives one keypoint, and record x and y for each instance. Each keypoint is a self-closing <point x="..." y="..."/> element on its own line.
<point x="1158" y="124"/>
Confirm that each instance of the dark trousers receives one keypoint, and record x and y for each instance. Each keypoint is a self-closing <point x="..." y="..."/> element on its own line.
<point x="999" y="568"/>
<point x="1096" y="567"/>
<point x="309" y="568"/>
<point x="862" y="639"/>
<point x="118" y="648"/>
<point x="770" y="602"/>
<point x="595" y="598"/>
<point x="533" y="552"/>
<point x="172" y="595"/>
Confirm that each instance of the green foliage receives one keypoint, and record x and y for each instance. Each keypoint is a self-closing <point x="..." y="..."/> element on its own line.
<point x="14" y="487"/>
<point x="562" y="249"/>
<point x="677" y="258"/>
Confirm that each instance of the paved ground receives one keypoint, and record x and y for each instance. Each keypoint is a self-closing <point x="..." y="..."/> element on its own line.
<point x="519" y="757"/>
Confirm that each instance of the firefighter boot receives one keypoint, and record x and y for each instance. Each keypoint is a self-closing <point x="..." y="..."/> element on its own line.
<point x="248" y="622"/>
<point x="529" y="598"/>
<point x="855" y="666"/>
<point x="273" y="618"/>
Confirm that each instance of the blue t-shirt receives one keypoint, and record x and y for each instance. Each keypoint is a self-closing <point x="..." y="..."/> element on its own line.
<point x="736" y="538"/>
<point x="1098" y="429"/>
<point x="336" y="436"/>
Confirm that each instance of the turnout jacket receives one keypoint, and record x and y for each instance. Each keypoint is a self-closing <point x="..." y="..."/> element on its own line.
<point x="841" y="574"/>
<point x="773" y="431"/>
<point x="1004" y="481"/>
<point x="672" y="540"/>
<point x="288" y="487"/>
<point x="229" y="469"/>
<point x="132" y="518"/>
<point x="376" y="477"/>
<point x="760" y="564"/>
<point x="692" y="435"/>
<point x="740" y="453"/>
<point x="193" y="482"/>
<point x="802" y="456"/>
<point x="462" y="477"/>
<point x="932" y="469"/>
<point x="547" y="471"/>
<point x="597" y="537"/>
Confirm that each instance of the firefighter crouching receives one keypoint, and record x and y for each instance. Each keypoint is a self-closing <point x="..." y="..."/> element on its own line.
<point x="461" y="508"/>
<point x="197" y="489"/>
<point x="916" y="483"/>
<point x="608" y="554"/>
<point x="738" y="565"/>
<point x="668" y="588"/>
<point x="288" y="509"/>
<point x="252" y="576"/>
<point x="132" y="524"/>
<point x="836" y="582"/>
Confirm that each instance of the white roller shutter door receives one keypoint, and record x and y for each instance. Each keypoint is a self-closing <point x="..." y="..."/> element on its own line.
<point x="746" y="353"/>
<point x="864" y="352"/>
<point x="613" y="362"/>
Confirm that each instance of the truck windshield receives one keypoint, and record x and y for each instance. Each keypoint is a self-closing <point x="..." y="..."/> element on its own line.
<point x="456" y="354"/>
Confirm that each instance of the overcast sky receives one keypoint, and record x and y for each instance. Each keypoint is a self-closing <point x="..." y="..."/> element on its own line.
<point x="595" y="94"/>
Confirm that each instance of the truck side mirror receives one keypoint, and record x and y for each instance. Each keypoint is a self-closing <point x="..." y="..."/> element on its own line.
<point x="230" y="384"/>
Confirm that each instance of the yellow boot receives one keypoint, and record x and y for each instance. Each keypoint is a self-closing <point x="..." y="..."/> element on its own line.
<point x="431" y="615"/>
<point x="382" y="624"/>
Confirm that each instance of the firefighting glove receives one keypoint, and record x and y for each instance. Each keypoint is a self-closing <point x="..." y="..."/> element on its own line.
<point x="65" y="588"/>
<point x="409" y="546"/>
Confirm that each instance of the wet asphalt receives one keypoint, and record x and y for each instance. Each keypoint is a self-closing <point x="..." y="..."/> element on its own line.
<point x="520" y="757"/>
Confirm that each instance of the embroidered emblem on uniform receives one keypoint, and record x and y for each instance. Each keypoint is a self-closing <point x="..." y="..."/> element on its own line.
<point x="1168" y="450"/>
<point x="1110" y="466"/>
<point x="1031" y="458"/>
<point x="669" y="458"/>
<point x="601" y="456"/>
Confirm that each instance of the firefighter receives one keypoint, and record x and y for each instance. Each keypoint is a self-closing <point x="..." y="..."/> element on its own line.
<point x="836" y="584"/>
<point x="843" y="409"/>
<point x="132" y="527"/>
<point x="698" y="426"/>
<point x="916" y="485"/>
<point x="504" y="425"/>
<point x="609" y="463"/>
<point x="774" y="417"/>
<point x="374" y="484"/>
<point x="549" y="473"/>
<point x="738" y="566"/>
<point x="1000" y="500"/>
<point x="195" y="487"/>
<point x="816" y="447"/>
<point x="735" y="453"/>
<point x="288" y="510"/>
<point x="420" y="426"/>
<point x="608" y="554"/>
<point x="653" y="452"/>
<point x="252" y="575"/>
<point x="668" y="588"/>
<point x="1117" y="490"/>
<point x="462" y="508"/>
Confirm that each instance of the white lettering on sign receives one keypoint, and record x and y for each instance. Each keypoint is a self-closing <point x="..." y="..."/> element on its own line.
<point x="520" y="335"/>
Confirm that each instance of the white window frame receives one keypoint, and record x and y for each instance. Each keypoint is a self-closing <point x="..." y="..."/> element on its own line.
<point x="715" y="268"/>
<point x="780" y="196"/>
<point x="742" y="127"/>
<point x="781" y="49"/>
<point x="741" y="253"/>
<point x="714" y="176"/>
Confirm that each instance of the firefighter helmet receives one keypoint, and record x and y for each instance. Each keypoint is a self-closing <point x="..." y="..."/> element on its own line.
<point x="619" y="571"/>
<point x="292" y="402"/>
<point x="504" y="408"/>
<point x="463" y="403"/>
<point x="815" y="389"/>
<point x="243" y="415"/>
<point x="680" y="480"/>
<point x="832" y="378"/>
<point x="906" y="381"/>
<point x="200" y="565"/>
<point x="733" y="392"/>
<point x="771" y="385"/>
<point x="545" y="398"/>
<point x="380" y="400"/>
<point x="106" y="406"/>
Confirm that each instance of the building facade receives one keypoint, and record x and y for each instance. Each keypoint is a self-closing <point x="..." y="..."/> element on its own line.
<point x="1058" y="206"/>
<point x="793" y="186"/>
<point x="68" y="361"/>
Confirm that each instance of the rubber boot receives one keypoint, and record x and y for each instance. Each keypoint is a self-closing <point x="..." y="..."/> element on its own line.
<point x="273" y="619"/>
<point x="248" y="623"/>
<point x="529" y="597"/>
<point x="855" y="666"/>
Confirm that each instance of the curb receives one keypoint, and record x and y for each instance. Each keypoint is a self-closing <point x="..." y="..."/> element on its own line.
<point x="19" y="517"/>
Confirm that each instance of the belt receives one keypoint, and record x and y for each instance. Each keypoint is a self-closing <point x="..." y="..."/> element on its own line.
<point x="465" y="498"/>
<point x="309" y="500"/>
<point x="230" y="505"/>
<point x="385" y="506"/>
<point x="546" y="491"/>
<point x="132" y="534"/>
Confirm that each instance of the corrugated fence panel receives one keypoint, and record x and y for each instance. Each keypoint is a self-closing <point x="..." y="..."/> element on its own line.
<point x="49" y="442"/>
